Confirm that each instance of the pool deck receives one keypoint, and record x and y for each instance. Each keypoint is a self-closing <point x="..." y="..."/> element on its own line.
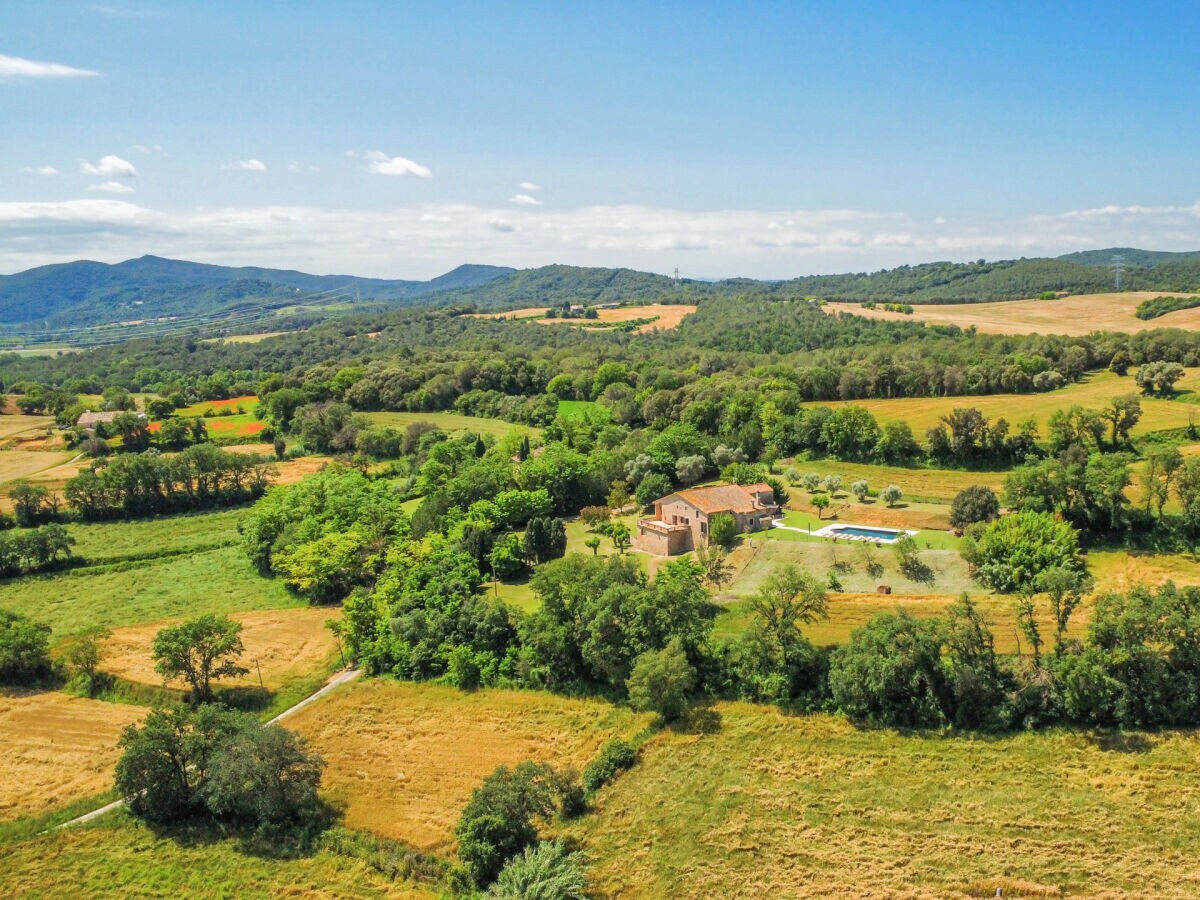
<point x="832" y="531"/>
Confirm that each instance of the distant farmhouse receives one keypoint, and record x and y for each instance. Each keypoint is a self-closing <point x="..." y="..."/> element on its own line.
<point x="681" y="519"/>
<point x="89" y="420"/>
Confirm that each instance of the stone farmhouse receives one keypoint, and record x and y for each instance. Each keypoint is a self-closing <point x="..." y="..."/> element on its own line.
<point x="681" y="519"/>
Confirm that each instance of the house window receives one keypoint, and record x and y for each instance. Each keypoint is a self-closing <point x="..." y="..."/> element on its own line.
<point x="704" y="528"/>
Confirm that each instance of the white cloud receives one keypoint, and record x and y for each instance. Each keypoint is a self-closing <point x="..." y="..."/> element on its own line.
<point x="125" y="12"/>
<point x="148" y="149"/>
<point x="247" y="165"/>
<point x="47" y="171"/>
<point x="109" y="167"/>
<point x="381" y="164"/>
<point x="111" y="187"/>
<point x="530" y="186"/>
<point x="299" y="168"/>
<point x="524" y="200"/>
<point x="16" y="67"/>
<point x="425" y="240"/>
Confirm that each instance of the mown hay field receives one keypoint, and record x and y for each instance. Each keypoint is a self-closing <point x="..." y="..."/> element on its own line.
<point x="55" y="748"/>
<point x="1075" y="315"/>
<point x="666" y="316"/>
<point x="284" y="645"/>
<point x="405" y="757"/>
<point x="1094" y="392"/>
<point x="119" y="858"/>
<point x="13" y="424"/>
<point x="16" y="465"/>
<point x="451" y="422"/>
<point x="775" y="805"/>
<point x="922" y="485"/>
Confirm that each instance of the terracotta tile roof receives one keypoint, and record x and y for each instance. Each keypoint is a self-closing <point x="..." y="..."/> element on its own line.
<point x="722" y="498"/>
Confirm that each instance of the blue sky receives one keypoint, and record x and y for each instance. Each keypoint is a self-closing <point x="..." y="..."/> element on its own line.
<point x="769" y="139"/>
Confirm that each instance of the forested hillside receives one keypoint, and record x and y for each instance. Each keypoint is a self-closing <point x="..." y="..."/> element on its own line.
<point x="87" y="293"/>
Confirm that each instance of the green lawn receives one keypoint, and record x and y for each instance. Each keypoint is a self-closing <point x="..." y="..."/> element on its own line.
<point x="209" y="581"/>
<point x="139" y="539"/>
<point x="570" y="408"/>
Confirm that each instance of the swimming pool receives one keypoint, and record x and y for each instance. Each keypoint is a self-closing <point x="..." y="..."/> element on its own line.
<point x="863" y="533"/>
<point x="870" y="534"/>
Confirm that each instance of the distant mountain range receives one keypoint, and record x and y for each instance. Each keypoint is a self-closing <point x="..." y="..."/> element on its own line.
<point x="90" y="293"/>
<point x="90" y="302"/>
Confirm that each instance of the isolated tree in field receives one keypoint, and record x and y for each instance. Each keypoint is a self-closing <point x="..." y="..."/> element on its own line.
<point x="593" y="544"/>
<point x="1121" y="414"/>
<point x="620" y="536"/>
<point x="1014" y="549"/>
<point x="1158" y="377"/>
<point x="891" y="495"/>
<point x="832" y="484"/>
<point x="500" y="820"/>
<point x="1162" y="465"/>
<point x="820" y="503"/>
<point x="661" y="681"/>
<point x="83" y="654"/>
<point x="711" y="559"/>
<point x="860" y="489"/>
<point x="722" y="530"/>
<point x="198" y="651"/>
<point x="262" y="774"/>
<point x="219" y="761"/>
<point x="977" y="503"/>
<point x="811" y="482"/>
<point x="24" y="649"/>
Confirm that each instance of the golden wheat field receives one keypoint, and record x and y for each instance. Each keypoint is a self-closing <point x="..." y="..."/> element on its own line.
<point x="1074" y="315"/>
<point x="1095" y="391"/>
<point x="666" y="315"/>
<point x="55" y="748"/>
<point x="282" y="644"/>
<point x="775" y="805"/>
<point x="405" y="757"/>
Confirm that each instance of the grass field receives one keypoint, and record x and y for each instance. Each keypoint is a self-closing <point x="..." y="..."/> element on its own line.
<point x="776" y="805"/>
<point x="451" y="422"/>
<point x="129" y="593"/>
<point x="136" y="539"/>
<point x="55" y="748"/>
<point x="284" y="645"/>
<point x="1076" y="315"/>
<point x="1094" y="392"/>
<point x="405" y="757"/>
<point x="574" y="408"/>
<point x="119" y="858"/>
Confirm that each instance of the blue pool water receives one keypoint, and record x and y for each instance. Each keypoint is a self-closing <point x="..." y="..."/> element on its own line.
<point x="874" y="534"/>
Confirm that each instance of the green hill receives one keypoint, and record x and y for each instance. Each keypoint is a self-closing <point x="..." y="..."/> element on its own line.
<point x="90" y="293"/>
